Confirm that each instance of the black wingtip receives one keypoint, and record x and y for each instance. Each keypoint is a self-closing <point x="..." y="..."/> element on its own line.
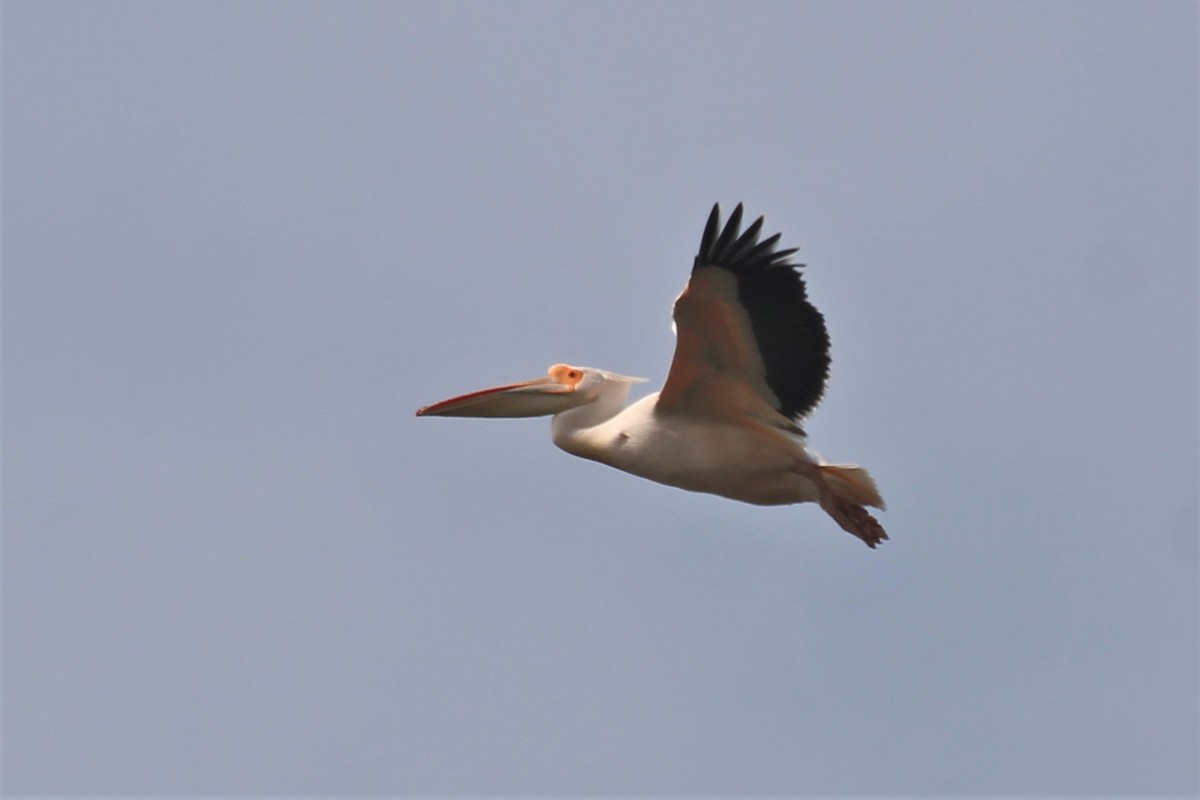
<point x="730" y="233"/>
<point x="728" y="246"/>
<point x="710" y="233"/>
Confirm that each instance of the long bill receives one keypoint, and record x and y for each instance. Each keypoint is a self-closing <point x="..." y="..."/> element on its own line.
<point x="536" y="398"/>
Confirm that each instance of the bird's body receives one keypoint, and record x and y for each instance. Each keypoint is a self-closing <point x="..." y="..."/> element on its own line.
<point x="753" y="463"/>
<point x="751" y="357"/>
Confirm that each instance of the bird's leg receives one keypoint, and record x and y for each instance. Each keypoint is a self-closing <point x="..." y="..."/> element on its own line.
<point x="853" y="517"/>
<point x="856" y="520"/>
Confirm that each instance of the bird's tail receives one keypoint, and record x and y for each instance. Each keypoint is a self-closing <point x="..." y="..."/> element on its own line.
<point x="852" y="484"/>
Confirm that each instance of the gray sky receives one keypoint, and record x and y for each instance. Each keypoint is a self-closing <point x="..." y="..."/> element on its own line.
<point x="243" y="242"/>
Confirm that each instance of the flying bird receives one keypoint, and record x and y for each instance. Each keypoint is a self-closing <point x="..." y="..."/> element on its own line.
<point x="751" y="360"/>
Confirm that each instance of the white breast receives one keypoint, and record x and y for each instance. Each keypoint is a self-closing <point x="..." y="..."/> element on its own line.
<point x="751" y="462"/>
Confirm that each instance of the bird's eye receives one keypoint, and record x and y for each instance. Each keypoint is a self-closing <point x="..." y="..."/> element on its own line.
<point x="565" y="374"/>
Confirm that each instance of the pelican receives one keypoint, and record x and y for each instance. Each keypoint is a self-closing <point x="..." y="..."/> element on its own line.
<point x="751" y="360"/>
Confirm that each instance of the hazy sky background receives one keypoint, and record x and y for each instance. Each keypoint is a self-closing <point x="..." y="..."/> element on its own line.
<point x="243" y="242"/>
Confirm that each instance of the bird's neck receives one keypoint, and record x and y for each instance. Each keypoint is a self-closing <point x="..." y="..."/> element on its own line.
<point x="575" y="431"/>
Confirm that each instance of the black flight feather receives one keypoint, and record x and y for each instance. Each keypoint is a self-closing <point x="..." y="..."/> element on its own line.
<point x="789" y="331"/>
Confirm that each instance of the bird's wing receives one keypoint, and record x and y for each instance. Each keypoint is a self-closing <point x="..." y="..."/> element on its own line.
<point x="745" y="332"/>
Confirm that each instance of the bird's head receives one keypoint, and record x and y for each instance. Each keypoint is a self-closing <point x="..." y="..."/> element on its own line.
<point x="563" y="388"/>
